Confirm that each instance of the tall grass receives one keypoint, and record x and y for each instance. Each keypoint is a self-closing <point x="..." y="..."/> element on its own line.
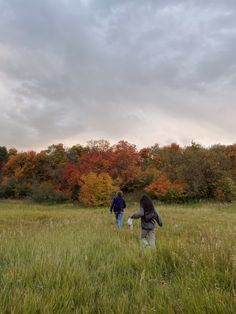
<point x="61" y="259"/>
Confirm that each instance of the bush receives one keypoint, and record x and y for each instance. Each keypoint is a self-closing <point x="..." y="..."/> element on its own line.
<point x="164" y="190"/>
<point x="23" y="190"/>
<point x="8" y="188"/>
<point x="225" y="190"/>
<point x="96" y="190"/>
<point x="147" y="176"/>
<point x="45" y="192"/>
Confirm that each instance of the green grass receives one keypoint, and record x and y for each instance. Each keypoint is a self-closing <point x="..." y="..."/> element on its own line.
<point x="63" y="259"/>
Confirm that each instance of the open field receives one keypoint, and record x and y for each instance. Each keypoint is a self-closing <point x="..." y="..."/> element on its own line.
<point x="63" y="259"/>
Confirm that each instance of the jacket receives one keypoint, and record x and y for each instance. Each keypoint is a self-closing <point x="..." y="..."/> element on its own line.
<point x="118" y="204"/>
<point x="147" y="224"/>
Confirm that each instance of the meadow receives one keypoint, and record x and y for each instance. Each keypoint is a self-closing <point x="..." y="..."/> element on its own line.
<point x="66" y="259"/>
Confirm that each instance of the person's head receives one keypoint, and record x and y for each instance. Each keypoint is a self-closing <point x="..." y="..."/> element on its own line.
<point x="146" y="203"/>
<point x="119" y="193"/>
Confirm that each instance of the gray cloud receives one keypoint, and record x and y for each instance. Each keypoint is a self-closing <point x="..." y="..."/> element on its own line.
<point x="146" y="71"/>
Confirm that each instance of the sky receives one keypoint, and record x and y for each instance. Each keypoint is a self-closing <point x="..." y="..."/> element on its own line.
<point x="153" y="71"/>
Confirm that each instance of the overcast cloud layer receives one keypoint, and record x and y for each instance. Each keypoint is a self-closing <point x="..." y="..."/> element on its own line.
<point x="145" y="71"/>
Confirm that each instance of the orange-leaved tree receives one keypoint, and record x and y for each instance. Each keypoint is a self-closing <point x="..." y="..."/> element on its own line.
<point x="126" y="165"/>
<point x="20" y="166"/>
<point x="95" y="161"/>
<point x="163" y="189"/>
<point x="69" y="180"/>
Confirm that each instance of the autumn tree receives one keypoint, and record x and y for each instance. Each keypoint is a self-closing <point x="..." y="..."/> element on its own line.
<point x="98" y="145"/>
<point x="57" y="155"/>
<point x="148" y="175"/>
<point x="169" y="160"/>
<point x="96" y="161"/>
<point x="163" y="189"/>
<point x="12" y="151"/>
<point x="21" y="166"/>
<point x="167" y="173"/>
<point x="230" y="153"/>
<point x="19" y="172"/>
<point x="126" y="165"/>
<point x="225" y="190"/>
<point x="74" y="153"/>
<point x="201" y="169"/>
<point x="69" y="180"/>
<point x="96" y="189"/>
<point x="42" y="167"/>
<point x="153" y="158"/>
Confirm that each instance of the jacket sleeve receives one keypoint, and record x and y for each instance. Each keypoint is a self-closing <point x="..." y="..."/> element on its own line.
<point x="138" y="214"/>
<point x="112" y="204"/>
<point x="124" y="204"/>
<point x="158" y="219"/>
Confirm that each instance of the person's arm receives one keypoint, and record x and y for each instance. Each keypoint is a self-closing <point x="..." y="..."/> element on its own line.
<point x="124" y="203"/>
<point x="112" y="205"/>
<point x="138" y="214"/>
<point x="158" y="218"/>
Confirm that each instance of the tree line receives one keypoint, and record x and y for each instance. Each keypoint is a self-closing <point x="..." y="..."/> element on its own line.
<point x="91" y="173"/>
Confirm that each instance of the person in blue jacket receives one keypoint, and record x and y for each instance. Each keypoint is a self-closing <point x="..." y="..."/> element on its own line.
<point x="117" y="206"/>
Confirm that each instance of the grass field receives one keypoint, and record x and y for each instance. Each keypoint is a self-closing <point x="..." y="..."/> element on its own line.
<point x="63" y="259"/>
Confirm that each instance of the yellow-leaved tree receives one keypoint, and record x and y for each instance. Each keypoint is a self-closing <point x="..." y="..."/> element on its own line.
<point x="96" y="189"/>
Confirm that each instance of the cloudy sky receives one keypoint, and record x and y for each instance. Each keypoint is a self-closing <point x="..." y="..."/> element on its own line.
<point x="153" y="71"/>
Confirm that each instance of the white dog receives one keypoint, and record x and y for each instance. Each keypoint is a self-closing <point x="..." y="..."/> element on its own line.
<point x="130" y="223"/>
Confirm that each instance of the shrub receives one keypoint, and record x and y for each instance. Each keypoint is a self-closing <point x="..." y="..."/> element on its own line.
<point x="165" y="190"/>
<point x="225" y="190"/>
<point x="147" y="176"/>
<point x="96" y="189"/>
<point x="8" y="188"/>
<point x="23" y="190"/>
<point x="45" y="192"/>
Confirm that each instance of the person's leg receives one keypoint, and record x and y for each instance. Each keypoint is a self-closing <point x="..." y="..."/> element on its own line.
<point x="144" y="241"/>
<point x="152" y="239"/>
<point x="117" y="221"/>
<point x="120" y="219"/>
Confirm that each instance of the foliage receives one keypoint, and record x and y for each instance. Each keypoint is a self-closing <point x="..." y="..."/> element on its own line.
<point x="3" y="156"/>
<point x="75" y="152"/>
<point x="96" y="189"/>
<point x="230" y="153"/>
<point x="126" y="165"/>
<point x="23" y="190"/>
<point x="190" y="173"/>
<point x="225" y="190"/>
<point x="8" y="187"/>
<point x="95" y="161"/>
<point x="56" y="154"/>
<point x="164" y="190"/>
<point x="21" y="166"/>
<point x="148" y="175"/>
<point x="69" y="179"/>
<point x="42" y="169"/>
<point x="46" y="192"/>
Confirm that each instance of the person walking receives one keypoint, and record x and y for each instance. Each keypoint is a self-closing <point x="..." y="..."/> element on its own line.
<point x="149" y="217"/>
<point x="117" y="206"/>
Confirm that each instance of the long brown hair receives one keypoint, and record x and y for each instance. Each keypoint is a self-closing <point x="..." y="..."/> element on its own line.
<point x="147" y="204"/>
